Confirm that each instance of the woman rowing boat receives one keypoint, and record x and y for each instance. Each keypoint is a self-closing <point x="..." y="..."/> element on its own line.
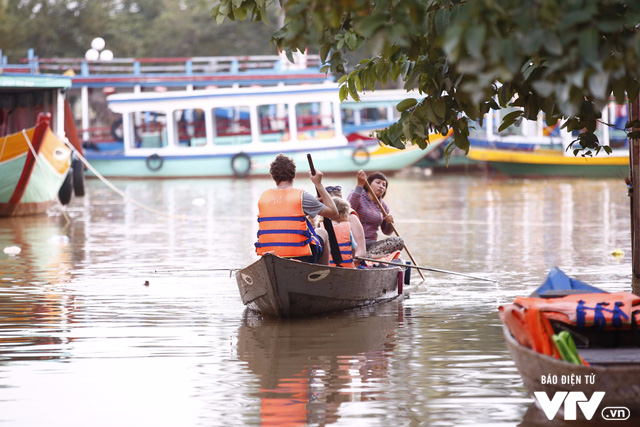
<point x="371" y="216"/>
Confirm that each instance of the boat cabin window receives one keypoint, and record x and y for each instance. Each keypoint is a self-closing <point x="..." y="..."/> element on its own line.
<point x="370" y="115"/>
<point x="274" y="122"/>
<point x="151" y="129"/>
<point x="19" y="110"/>
<point x="315" y="120"/>
<point x="190" y="127"/>
<point x="617" y="115"/>
<point x="232" y="125"/>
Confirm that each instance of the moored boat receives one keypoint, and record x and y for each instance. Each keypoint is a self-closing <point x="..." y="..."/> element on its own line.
<point x="284" y="288"/>
<point x="33" y="165"/>
<point x="237" y="132"/>
<point x="534" y="149"/>
<point x="606" y="356"/>
<point x="552" y="163"/>
<point x="34" y="161"/>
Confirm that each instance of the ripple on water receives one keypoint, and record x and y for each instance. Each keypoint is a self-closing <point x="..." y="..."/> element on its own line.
<point x="78" y="324"/>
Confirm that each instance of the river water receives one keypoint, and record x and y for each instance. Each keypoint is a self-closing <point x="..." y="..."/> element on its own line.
<point x="84" y="342"/>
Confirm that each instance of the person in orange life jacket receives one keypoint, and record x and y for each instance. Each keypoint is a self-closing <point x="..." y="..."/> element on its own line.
<point x="354" y="221"/>
<point x="282" y="219"/>
<point x="371" y="216"/>
<point x="345" y="239"/>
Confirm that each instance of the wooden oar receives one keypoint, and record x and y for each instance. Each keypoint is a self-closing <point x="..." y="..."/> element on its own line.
<point x="328" y="225"/>
<point x="418" y="267"/>
<point x="384" y="213"/>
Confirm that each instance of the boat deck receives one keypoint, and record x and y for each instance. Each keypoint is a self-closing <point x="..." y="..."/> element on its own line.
<point x="611" y="356"/>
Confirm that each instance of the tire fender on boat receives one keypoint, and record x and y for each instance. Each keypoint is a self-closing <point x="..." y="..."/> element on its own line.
<point x="241" y="165"/>
<point x="154" y="162"/>
<point x="66" y="190"/>
<point x="78" y="177"/>
<point x="356" y="156"/>
<point x="116" y="130"/>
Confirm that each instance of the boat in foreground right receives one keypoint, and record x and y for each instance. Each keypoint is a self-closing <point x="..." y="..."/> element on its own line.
<point x="568" y="336"/>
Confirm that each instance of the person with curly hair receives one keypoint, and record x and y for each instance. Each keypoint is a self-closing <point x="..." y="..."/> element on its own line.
<point x="283" y="227"/>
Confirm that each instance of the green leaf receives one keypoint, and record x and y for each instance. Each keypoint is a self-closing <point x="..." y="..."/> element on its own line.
<point x="353" y="90"/>
<point x="358" y="82"/>
<point x="510" y="119"/>
<point x="352" y="41"/>
<point x="552" y="43"/>
<point x="324" y="52"/>
<point x="474" y="39"/>
<point x="240" y="13"/>
<point x="588" y="45"/>
<point x="369" y="25"/>
<point x="598" y="84"/>
<point x="443" y="17"/>
<point x="344" y="92"/>
<point x="634" y="135"/>
<point x="427" y="108"/>
<point x="406" y="104"/>
<point x="440" y="107"/>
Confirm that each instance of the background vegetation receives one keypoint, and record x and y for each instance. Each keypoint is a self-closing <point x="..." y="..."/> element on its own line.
<point x="131" y="28"/>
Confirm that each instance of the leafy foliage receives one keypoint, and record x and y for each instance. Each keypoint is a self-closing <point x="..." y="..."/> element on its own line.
<point x="563" y="58"/>
<point x="131" y="28"/>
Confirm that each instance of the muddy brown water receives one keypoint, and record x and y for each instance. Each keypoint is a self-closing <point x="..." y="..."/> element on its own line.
<point x="83" y="341"/>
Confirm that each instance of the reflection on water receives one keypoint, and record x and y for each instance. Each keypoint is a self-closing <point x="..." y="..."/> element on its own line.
<point x="85" y="342"/>
<point x="311" y="371"/>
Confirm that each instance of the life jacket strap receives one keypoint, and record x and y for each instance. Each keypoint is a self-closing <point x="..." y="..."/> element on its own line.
<point x="350" y="262"/>
<point x="283" y="218"/>
<point x="290" y="244"/>
<point x="304" y="233"/>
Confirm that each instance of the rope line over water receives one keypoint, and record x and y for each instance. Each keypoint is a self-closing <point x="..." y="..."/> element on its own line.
<point x="122" y="194"/>
<point x="42" y="168"/>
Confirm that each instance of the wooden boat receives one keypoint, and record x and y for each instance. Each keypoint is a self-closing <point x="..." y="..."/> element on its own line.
<point x="552" y="163"/>
<point x="35" y="124"/>
<point x="279" y="287"/>
<point x="33" y="165"/>
<point x="237" y="133"/>
<point x="614" y="369"/>
<point x="533" y="149"/>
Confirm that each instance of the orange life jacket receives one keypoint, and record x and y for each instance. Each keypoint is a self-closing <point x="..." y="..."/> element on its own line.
<point x="282" y="225"/>
<point x="529" y="319"/>
<point x="343" y="236"/>
<point x="602" y="311"/>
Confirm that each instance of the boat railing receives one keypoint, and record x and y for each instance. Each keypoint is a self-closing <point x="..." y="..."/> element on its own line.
<point x="175" y="65"/>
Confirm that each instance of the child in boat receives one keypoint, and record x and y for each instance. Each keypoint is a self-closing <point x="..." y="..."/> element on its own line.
<point x="344" y="234"/>
<point x="356" y="226"/>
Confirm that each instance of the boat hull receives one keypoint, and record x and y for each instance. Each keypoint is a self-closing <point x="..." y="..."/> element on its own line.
<point x="551" y="163"/>
<point x="621" y="383"/>
<point x="30" y="184"/>
<point x="278" y="287"/>
<point x="334" y="159"/>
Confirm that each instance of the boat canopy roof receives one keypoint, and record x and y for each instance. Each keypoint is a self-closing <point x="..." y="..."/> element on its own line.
<point x="225" y="97"/>
<point x="29" y="81"/>
<point x="382" y="97"/>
